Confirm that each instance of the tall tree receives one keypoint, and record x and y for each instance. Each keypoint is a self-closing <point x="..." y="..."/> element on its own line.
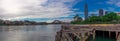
<point x="112" y="16"/>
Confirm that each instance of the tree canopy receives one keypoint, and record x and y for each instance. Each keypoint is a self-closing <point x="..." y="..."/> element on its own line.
<point x="111" y="17"/>
<point x="108" y="17"/>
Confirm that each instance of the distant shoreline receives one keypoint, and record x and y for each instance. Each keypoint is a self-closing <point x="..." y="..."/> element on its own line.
<point x="29" y="24"/>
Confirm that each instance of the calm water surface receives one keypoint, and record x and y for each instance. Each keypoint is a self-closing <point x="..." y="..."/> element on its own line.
<point x="29" y="33"/>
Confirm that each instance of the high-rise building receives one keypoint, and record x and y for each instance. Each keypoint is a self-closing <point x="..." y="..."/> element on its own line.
<point x="106" y="12"/>
<point x="86" y="11"/>
<point x="118" y="13"/>
<point x="101" y="12"/>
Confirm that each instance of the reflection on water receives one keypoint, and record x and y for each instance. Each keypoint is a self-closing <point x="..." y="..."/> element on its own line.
<point x="29" y="33"/>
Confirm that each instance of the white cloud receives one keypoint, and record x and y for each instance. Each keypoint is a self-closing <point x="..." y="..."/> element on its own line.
<point x="111" y="9"/>
<point x="118" y="4"/>
<point x="19" y="9"/>
<point x="114" y="2"/>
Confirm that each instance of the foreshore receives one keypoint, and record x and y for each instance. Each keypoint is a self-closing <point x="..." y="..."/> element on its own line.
<point x="76" y="32"/>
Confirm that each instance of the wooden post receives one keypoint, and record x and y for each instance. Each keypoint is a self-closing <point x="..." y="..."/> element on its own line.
<point x="94" y="35"/>
<point x="103" y="34"/>
<point x="118" y="39"/>
<point x="109" y="34"/>
<point x="116" y="35"/>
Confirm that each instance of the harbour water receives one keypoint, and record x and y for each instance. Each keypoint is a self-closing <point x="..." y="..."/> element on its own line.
<point x="29" y="33"/>
<point x="33" y="33"/>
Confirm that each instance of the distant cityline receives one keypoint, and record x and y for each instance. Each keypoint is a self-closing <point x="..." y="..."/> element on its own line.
<point x="101" y="16"/>
<point x="27" y="22"/>
<point x="101" y="11"/>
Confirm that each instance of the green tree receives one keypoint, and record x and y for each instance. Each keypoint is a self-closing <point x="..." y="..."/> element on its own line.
<point x="108" y="18"/>
<point x="94" y="19"/>
<point x="77" y="18"/>
<point x="112" y="16"/>
<point x="118" y="18"/>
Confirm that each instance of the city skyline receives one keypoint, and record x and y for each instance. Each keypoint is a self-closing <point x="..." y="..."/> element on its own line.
<point x="50" y="10"/>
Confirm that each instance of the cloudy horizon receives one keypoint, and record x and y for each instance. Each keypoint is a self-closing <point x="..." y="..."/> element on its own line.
<point x="35" y="9"/>
<point x="49" y="10"/>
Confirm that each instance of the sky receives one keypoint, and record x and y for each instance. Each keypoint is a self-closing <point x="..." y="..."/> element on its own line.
<point x="50" y="10"/>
